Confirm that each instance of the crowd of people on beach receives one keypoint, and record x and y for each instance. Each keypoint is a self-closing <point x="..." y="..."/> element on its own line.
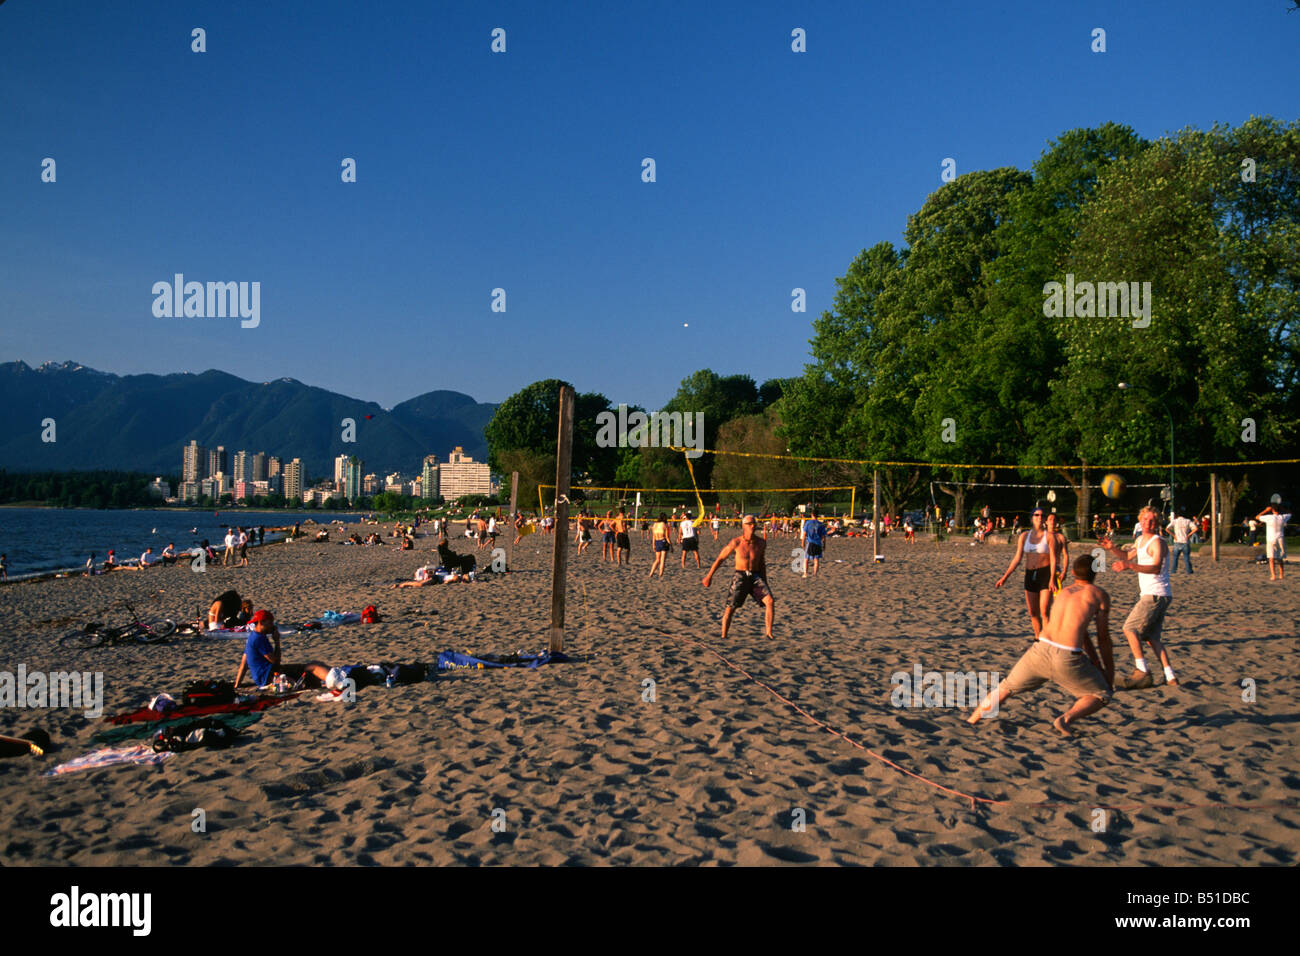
<point x="236" y="544"/>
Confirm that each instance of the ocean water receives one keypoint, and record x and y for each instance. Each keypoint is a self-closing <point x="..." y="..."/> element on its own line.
<point x="40" y="540"/>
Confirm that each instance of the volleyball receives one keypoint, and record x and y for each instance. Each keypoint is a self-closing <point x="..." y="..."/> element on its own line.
<point x="1112" y="486"/>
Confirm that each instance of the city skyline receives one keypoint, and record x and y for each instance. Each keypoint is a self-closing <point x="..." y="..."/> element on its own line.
<point x="459" y="475"/>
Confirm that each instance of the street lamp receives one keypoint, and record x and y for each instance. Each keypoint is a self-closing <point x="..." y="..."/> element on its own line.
<point x="1125" y="386"/>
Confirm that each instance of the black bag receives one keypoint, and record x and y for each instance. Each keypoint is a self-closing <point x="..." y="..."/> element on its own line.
<point x="193" y="735"/>
<point x="205" y="693"/>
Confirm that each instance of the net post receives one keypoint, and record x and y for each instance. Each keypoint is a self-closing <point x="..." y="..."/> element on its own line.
<point x="560" y="554"/>
<point x="514" y="503"/>
<point x="875" y="514"/>
<point x="1214" y="518"/>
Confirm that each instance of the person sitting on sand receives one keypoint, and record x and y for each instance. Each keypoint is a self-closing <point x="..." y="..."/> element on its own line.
<point x="464" y="563"/>
<point x="261" y="657"/>
<point x="1064" y="653"/>
<point x="110" y="563"/>
<point x="750" y="577"/>
<point x="224" y="611"/>
<point x="169" y="553"/>
<point x="147" y="560"/>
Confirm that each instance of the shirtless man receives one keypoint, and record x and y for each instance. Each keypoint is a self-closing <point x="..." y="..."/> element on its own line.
<point x="1064" y="653"/>
<point x="621" y="539"/>
<point x="1037" y="547"/>
<point x="750" y="577"/>
<point x="1062" y="550"/>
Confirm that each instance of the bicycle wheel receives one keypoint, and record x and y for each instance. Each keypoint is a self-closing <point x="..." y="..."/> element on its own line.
<point x="83" y="639"/>
<point x="156" y="633"/>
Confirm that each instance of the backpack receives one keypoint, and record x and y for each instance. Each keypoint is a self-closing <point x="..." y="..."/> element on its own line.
<point x="370" y="615"/>
<point x="193" y="735"/>
<point x="203" y="693"/>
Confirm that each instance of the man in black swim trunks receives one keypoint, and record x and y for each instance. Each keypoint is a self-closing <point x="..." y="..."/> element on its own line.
<point x="750" y="578"/>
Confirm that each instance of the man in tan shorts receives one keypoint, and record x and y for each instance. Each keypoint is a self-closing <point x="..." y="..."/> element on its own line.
<point x="1064" y="653"/>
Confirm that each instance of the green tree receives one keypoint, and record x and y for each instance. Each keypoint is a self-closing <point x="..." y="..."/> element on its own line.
<point x="529" y="420"/>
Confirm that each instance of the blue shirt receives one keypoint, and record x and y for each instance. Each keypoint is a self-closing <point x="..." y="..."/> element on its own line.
<point x="814" y="531"/>
<point x="257" y="650"/>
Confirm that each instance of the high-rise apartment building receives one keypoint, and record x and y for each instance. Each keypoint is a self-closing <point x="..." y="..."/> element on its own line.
<point x="462" y="475"/>
<point x="295" y="479"/>
<point x="352" y="477"/>
<point x="194" y="463"/>
<point x="429" y="478"/>
<point x="259" y="467"/>
<point x="218" y="460"/>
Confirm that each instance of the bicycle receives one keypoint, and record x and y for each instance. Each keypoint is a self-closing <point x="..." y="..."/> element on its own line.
<point x="134" y="632"/>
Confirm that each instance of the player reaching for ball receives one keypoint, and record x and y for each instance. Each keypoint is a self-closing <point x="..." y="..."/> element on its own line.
<point x="1149" y="557"/>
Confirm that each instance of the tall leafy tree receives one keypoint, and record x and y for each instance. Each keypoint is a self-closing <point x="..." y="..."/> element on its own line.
<point x="528" y="420"/>
<point x="1220" y="254"/>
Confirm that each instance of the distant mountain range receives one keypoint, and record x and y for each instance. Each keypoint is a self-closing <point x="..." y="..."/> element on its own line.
<point x="142" y="422"/>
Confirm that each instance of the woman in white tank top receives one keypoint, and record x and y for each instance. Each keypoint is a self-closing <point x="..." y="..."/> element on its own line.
<point x="1036" y="547"/>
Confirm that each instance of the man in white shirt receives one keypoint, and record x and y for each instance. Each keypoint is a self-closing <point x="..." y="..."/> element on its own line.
<point x="229" y="556"/>
<point x="147" y="560"/>
<point x="689" y="540"/>
<point x="1274" y="523"/>
<point x="1149" y="557"/>
<point x="1182" y="528"/>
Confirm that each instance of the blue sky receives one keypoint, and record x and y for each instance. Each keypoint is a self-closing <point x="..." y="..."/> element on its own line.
<point x="522" y="170"/>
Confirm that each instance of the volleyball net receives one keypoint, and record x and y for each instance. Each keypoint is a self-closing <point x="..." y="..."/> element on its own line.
<point x="726" y="504"/>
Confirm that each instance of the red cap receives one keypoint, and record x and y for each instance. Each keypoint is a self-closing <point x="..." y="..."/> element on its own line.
<point x="262" y="617"/>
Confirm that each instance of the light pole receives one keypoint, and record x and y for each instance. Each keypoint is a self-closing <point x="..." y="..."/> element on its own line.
<point x="1125" y="386"/>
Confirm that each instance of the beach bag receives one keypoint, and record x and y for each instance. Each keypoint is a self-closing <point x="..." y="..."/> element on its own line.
<point x="370" y="615"/>
<point x="205" y="693"/>
<point x="193" y="735"/>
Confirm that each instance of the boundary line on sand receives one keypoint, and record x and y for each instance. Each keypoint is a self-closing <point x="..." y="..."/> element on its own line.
<point x="973" y="799"/>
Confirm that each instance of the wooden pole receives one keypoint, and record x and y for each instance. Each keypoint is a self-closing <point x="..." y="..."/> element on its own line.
<point x="1214" y="518"/>
<point x="875" y="514"/>
<point x="560" y="555"/>
<point x="514" y="503"/>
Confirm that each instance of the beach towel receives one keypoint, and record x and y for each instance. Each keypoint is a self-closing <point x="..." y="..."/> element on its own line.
<point x="450" y="660"/>
<point x="143" y="731"/>
<point x="242" y="706"/>
<point x="332" y="618"/>
<point x="108" y="757"/>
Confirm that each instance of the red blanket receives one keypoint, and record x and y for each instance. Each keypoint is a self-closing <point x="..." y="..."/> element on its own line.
<point x="200" y="710"/>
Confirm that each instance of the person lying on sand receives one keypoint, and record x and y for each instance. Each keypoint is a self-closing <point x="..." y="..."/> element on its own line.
<point x="423" y="576"/>
<point x="750" y="578"/>
<point x="1064" y="653"/>
<point x="261" y="658"/>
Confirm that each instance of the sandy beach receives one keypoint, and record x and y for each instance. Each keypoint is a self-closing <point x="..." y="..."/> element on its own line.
<point x="719" y="768"/>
